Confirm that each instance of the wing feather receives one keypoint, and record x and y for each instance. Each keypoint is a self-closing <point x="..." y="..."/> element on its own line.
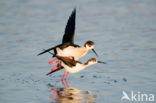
<point x="70" y="29"/>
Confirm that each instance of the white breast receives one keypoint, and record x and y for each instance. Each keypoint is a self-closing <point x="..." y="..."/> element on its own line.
<point x="74" y="69"/>
<point x="76" y="52"/>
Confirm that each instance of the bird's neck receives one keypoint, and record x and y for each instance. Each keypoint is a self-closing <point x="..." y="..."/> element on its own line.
<point x="86" y="48"/>
<point x="82" y="66"/>
<point x="87" y="64"/>
<point x="83" y="51"/>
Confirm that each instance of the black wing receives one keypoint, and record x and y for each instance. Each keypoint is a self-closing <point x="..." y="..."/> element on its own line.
<point x="47" y="50"/>
<point x="66" y="60"/>
<point x="70" y="29"/>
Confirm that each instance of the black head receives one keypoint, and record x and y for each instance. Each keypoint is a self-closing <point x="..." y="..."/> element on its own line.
<point x="90" y="46"/>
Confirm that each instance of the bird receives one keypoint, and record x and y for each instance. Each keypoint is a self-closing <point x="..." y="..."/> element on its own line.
<point x="74" y="66"/>
<point x="68" y="48"/>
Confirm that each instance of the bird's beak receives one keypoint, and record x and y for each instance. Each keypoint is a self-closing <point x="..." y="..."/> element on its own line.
<point x="49" y="52"/>
<point x="102" y="62"/>
<point x="95" y="52"/>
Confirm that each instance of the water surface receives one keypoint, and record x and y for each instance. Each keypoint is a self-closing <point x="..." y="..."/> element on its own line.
<point x="124" y="34"/>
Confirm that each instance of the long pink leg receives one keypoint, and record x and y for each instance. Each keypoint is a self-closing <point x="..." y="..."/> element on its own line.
<point x="66" y="83"/>
<point x="63" y="76"/>
<point x="66" y="75"/>
<point x="56" y="66"/>
<point x="63" y="83"/>
<point x="53" y="61"/>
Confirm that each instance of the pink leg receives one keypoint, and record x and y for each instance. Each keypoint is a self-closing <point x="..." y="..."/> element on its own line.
<point x="63" y="76"/>
<point x="66" y="83"/>
<point x="66" y="75"/>
<point x="53" y="61"/>
<point x="57" y="66"/>
<point x="63" y="84"/>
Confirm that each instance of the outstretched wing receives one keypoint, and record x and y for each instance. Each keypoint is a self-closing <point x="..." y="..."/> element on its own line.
<point x="70" y="29"/>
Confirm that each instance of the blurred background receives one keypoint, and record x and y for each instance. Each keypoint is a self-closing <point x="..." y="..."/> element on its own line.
<point x="124" y="32"/>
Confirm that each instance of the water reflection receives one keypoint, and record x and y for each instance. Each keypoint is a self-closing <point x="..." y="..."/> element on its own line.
<point x="70" y="95"/>
<point x="65" y="83"/>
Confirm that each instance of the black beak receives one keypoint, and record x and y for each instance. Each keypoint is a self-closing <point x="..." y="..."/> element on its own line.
<point x="95" y="52"/>
<point x="102" y="62"/>
<point x="49" y="52"/>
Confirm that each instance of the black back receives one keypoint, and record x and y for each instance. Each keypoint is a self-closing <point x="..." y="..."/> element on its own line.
<point x="70" y="29"/>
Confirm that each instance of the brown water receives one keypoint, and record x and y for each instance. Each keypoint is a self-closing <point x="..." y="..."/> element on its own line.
<point x="124" y="32"/>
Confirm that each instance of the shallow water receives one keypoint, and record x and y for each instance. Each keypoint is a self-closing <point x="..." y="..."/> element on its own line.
<point x="124" y="34"/>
